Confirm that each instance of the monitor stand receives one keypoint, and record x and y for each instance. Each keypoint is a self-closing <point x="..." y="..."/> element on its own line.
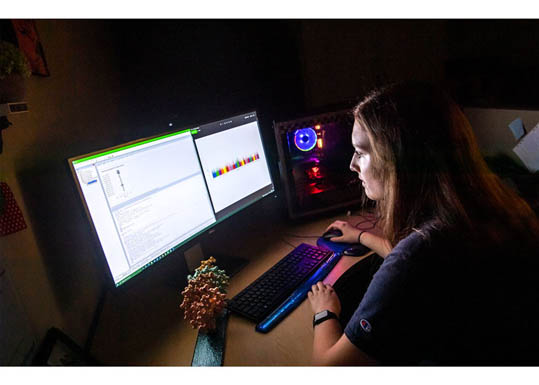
<point x="230" y="264"/>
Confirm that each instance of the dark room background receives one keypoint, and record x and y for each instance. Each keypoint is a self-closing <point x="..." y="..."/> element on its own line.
<point x="113" y="81"/>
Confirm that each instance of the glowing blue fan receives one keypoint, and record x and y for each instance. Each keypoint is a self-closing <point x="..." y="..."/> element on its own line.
<point x="305" y="139"/>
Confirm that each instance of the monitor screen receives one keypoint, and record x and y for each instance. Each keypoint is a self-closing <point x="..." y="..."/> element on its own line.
<point x="149" y="197"/>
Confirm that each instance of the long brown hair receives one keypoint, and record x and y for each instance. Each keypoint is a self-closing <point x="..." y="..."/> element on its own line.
<point x="433" y="173"/>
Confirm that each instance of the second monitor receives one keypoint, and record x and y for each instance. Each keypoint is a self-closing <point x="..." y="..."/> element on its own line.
<point x="149" y="197"/>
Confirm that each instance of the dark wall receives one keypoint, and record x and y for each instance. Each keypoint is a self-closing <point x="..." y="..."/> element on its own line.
<point x="194" y="71"/>
<point x="72" y="111"/>
<point x="483" y="63"/>
<point x="345" y="59"/>
<point x="494" y="63"/>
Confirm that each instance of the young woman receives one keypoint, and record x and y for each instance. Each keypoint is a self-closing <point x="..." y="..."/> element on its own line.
<point x="458" y="282"/>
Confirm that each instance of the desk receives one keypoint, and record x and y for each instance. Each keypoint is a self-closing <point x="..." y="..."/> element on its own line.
<point x="138" y="328"/>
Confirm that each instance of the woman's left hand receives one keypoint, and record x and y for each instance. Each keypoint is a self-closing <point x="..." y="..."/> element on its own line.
<point x="323" y="297"/>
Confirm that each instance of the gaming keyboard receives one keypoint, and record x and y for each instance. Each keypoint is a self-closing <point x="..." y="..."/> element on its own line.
<point x="265" y="294"/>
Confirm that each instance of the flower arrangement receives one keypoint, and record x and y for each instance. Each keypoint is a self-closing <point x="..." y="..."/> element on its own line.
<point x="12" y="61"/>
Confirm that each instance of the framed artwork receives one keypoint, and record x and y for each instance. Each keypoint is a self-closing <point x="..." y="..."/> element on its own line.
<point x="29" y="43"/>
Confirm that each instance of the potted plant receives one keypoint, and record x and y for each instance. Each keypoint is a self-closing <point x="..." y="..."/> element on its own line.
<point x="14" y="70"/>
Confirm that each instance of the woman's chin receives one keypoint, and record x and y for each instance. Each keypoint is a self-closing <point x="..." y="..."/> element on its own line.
<point x="370" y="196"/>
<point x="367" y="192"/>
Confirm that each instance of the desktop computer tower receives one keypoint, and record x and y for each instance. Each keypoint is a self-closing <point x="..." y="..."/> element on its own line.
<point x="314" y="163"/>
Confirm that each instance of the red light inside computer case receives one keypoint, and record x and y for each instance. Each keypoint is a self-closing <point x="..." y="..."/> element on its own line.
<point x="314" y="173"/>
<point x="314" y="156"/>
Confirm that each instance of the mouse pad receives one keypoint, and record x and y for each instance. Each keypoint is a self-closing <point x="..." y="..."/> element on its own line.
<point x="352" y="285"/>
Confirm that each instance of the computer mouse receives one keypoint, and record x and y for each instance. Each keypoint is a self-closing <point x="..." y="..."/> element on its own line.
<point x="356" y="250"/>
<point x="332" y="233"/>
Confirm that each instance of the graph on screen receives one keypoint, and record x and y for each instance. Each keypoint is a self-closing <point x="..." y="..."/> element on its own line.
<point x="232" y="166"/>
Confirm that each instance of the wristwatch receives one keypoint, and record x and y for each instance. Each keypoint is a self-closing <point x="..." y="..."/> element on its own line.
<point x="322" y="316"/>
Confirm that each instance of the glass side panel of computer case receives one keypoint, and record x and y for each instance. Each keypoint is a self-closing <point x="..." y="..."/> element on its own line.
<point x="314" y="163"/>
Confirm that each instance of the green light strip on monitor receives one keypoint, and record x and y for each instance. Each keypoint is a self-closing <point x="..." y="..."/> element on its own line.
<point x="128" y="146"/>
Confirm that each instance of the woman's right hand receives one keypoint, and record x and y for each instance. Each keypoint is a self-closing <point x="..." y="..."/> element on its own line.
<point x="349" y="232"/>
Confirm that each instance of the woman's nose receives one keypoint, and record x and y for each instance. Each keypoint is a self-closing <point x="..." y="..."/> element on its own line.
<point x="353" y="165"/>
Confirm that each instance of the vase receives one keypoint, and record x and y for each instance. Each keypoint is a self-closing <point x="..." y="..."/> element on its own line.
<point x="12" y="89"/>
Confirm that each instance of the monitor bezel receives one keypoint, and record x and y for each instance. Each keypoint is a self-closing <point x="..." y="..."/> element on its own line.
<point x="189" y="242"/>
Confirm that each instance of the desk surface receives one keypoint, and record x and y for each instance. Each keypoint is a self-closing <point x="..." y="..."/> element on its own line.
<point x="140" y="329"/>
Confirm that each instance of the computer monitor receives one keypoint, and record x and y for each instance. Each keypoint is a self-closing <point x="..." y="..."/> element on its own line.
<point x="149" y="197"/>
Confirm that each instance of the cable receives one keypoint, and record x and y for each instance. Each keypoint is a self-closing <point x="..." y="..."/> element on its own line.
<point x="301" y="236"/>
<point x="288" y="243"/>
<point x="95" y="320"/>
<point x="356" y="226"/>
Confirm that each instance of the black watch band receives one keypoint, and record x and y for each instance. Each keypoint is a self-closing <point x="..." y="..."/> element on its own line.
<point x="322" y="316"/>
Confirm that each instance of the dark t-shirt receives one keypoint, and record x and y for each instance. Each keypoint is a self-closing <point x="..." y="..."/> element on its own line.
<point x="434" y="301"/>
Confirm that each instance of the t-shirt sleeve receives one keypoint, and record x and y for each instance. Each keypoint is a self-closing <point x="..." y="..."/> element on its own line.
<point x="383" y="324"/>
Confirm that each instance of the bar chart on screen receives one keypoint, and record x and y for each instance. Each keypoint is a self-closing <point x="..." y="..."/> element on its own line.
<point x="234" y="165"/>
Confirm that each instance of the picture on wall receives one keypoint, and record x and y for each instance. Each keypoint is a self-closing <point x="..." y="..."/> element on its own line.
<point x="29" y="43"/>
